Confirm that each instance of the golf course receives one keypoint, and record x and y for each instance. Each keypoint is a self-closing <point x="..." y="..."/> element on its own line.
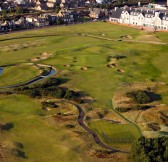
<point x="104" y="62"/>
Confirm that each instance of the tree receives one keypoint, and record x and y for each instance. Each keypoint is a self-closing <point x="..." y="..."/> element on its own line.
<point x="19" y="10"/>
<point x="150" y="150"/>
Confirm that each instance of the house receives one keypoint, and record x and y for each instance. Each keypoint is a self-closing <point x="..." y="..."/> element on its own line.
<point x="97" y="13"/>
<point x="51" y="17"/>
<point x="116" y="15"/>
<point x="37" y="21"/>
<point x="53" y="3"/>
<point x="3" y="28"/>
<point x="20" y="22"/>
<point x="164" y="17"/>
<point x="40" y="22"/>
<point x="41" y="5"/>
<point x="157" y="19"/>
<point x="68" y="15"/>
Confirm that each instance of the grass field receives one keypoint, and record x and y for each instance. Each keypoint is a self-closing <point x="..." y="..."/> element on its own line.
<point x="143" y="62"/>
<point x="42" y="139"/>
<point x="17" y="74"/>
<point x="116" y="133"/>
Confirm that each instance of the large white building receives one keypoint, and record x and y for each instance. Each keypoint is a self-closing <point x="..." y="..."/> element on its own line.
<point x="157" y="19"/>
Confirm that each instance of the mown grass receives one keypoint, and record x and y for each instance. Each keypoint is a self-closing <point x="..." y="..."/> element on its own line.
<point x="117" y="133"/>
<point x="143" y="63"/>
<point x="16" y="74"/>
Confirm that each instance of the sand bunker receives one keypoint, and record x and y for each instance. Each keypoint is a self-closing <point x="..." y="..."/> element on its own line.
<point x="120" y="70"/>
<point x="84" y="68"/>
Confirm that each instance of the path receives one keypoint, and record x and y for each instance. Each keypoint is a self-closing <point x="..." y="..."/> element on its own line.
<point x="126" y="119"/>
<point x="124" y="40"/>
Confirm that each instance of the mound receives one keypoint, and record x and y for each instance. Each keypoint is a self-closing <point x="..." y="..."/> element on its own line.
<point x="126" y="37"/>
<point x="140" y="103"/>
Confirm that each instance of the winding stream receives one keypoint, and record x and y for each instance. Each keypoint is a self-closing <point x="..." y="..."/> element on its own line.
<point x="81" y="115"/>
<point x="1" y="70"/>
<point x="81" y="122"/>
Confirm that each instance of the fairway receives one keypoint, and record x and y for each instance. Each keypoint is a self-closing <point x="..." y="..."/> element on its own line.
<point x="84" y="61"/>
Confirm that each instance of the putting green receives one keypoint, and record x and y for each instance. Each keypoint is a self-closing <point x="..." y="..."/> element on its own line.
<point x="17" y="74"/>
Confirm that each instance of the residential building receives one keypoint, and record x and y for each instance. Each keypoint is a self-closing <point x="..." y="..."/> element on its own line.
<point x="157" y="19"/>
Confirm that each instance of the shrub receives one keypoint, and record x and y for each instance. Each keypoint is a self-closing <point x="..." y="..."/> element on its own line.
<point x="120" y="109"/>
<point x="69" y="126"/>
<point x="72" y="95"/>
<point x="118" y="57"/>
<point x="139" y="96"/>
<point x="150" y="150"/>
<point x="49" y="89"/>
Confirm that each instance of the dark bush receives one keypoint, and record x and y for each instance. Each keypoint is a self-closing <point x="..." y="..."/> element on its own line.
<point x="139" y="96"/>
<point x="150" y="150"/>
<point x="69" y="126"/>
<point x="49" y="89"/>
<point x="118" y="57"/>
<point x="72" y="95"/>
<point x="120" y="109"/>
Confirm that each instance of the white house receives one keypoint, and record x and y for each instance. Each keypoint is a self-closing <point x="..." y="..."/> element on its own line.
<point x="141" y="17"/>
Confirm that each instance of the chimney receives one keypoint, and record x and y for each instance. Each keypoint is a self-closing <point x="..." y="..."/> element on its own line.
<point x="115" y="8"/>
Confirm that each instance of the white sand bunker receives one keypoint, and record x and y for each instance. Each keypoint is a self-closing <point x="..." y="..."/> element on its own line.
<point x="84" y="68"/>
<point x="120" y="70"/>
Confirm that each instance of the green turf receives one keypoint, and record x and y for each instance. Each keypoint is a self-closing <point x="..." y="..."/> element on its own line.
<point x="17" y="74"/>
<point x="143" y="62"/>
<point x="114" y="133"/>
<point x="42" y="139"/>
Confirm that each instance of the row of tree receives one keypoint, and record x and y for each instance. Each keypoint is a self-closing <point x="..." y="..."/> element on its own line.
<point x="150" y="150"/>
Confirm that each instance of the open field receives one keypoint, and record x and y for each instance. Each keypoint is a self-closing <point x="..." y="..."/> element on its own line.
<point x="72" y="51"/>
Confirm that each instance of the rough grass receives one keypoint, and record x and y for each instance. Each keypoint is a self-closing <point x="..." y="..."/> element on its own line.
<point x="42" y="139"/>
